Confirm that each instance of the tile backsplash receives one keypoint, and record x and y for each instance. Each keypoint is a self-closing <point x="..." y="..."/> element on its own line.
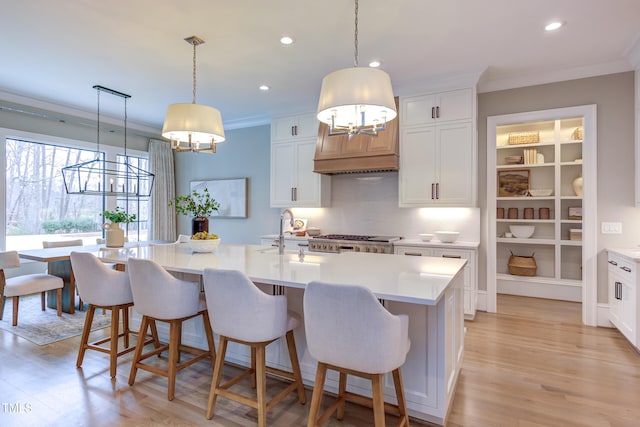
<point x="368" y="204"/>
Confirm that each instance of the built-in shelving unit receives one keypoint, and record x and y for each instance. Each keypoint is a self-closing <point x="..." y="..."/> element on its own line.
<point x="559" y="153"/>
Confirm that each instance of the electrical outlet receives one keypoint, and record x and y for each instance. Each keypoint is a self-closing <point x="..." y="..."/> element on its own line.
<point x="611" y="228"/>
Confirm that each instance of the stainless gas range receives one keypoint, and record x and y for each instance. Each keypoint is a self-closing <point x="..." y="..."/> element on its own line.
<point x="348" y="242"/>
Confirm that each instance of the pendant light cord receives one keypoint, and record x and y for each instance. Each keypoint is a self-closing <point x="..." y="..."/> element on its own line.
<point x="194" y="71"/>
<point x="355" y="38"/>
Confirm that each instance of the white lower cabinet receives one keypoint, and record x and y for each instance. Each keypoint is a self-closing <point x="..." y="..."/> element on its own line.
<point x="470" y="270"/>
<point x="623" y="296"/>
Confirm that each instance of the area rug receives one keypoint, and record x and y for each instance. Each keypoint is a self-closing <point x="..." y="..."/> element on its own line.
<point x="44" y="327"/>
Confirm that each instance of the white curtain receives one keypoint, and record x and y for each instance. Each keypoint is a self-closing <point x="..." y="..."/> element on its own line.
<point x="162" y="217"/>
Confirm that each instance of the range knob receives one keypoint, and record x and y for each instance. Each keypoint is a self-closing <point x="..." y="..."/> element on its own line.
<point x="356" y="249"/>
<point x="366" y="248"/>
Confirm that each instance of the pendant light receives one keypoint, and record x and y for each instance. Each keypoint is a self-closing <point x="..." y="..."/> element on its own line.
<point x="193" y="127"/>
<point x="356" y="100"/>
<point x="100" y="177"/>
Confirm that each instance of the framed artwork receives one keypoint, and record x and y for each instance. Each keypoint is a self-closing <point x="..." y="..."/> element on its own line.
<point x="230" y="193"/>
<point x="513" y="183"/>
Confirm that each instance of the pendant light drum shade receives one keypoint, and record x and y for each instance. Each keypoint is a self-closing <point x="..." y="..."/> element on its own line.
<point x="348" y="91"/>
<point x="196" y="123"/>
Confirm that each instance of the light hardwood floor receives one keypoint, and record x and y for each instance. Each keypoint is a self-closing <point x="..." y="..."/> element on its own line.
<point x="532" y="364"/>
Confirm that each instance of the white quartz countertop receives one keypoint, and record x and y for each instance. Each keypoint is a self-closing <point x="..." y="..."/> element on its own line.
<point x="634" y="254"/>
<point x="419" y="280"/>
<point x="435" y="243"/>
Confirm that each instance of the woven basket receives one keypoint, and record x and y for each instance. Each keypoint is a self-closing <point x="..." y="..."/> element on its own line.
<point x="577" y="134"/>
<point x="531" y="137"/>
<point x="522" y="265"/>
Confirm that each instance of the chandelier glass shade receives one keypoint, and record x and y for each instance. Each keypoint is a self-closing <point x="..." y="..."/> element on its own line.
<point x="193" y="127"/>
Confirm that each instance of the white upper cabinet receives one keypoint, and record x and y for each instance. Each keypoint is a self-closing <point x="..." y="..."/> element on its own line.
<point x="437" y="107"/>
<point x="438" y="153"/>
<point x="294" y="127"/>
<point x="293" y="182"/>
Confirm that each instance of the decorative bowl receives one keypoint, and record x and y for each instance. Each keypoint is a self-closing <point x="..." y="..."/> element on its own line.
<point x="208" y="245"/>
<point x="543" y="192"/>
<point x="522" y="231"/>
<point x="313" y="231"/>
<point x="447" y="236"/>
<point x="426" y="237"/>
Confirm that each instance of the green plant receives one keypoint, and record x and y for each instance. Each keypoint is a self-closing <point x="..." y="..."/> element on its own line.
<point x="196" y="204"/>
<point x="119" y="215"/>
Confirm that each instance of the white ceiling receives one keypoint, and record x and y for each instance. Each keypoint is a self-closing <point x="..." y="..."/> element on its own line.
<point x="56" y="51"/>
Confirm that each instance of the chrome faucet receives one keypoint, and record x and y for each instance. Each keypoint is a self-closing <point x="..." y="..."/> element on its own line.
<point x="281" y="235"/>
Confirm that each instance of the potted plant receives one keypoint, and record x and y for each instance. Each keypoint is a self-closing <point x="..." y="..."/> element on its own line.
<point x="115" y="234"/>
<point x="199" y="205"/>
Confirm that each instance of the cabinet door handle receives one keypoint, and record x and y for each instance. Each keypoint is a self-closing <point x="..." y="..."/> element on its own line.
<point x="618" y="290"/>
<point x="438" y="112"/>
<point x="451" y="256"/>
<point x="295" y="194"/>
<point x="613" y="263"/>
<point x="627" y="269"/>
<point x="296" y="129"/>
<point x="433" y="190"/>
<point x="437" y="190"/>
<point x="292" y="197"/>
<point x="413" y="253"/>
<point x="433" y="112"/>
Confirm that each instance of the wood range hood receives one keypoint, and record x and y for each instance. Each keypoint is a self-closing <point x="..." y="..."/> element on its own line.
<point x="364" y="153"/>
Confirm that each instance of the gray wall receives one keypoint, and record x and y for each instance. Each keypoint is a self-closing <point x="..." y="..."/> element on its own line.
<point x="245" y="154"/>
<point x="614" y="96"/>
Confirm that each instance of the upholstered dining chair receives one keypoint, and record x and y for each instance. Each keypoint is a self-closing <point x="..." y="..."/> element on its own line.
<point x="66" y="243"/>
<point x="159" y="296"/>
<point x="350" y="332"/>
<point x="102" y="287"/>
<point x="27" y="284"/>
<point x="242" y="313"/>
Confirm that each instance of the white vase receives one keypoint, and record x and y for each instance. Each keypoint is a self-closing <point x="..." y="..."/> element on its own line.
<point x="577" y="186"/>
<point x="115" y="235"/>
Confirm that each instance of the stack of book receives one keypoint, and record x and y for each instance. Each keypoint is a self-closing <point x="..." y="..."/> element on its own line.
<point x="530" y="156"/>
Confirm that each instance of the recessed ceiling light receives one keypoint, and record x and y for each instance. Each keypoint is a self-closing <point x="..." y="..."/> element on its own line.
<point x="375" y="64"/>
<point x="286" y="40"/>
<point x="264" y="88"/>
<point x="553" y="26"/>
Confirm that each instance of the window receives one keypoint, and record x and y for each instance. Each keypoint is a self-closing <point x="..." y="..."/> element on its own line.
<point x="37" y="207"/>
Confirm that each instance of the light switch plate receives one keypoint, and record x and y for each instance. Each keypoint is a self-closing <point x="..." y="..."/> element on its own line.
<point x="611" y="228"/>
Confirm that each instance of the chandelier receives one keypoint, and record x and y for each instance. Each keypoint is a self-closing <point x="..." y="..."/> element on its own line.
<point x="193" y="127"/>
<point x="356" y="100"/>
<point x="100" y="177"/>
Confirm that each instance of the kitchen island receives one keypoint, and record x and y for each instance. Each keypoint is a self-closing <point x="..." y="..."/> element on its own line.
<point x="429" y="290"/>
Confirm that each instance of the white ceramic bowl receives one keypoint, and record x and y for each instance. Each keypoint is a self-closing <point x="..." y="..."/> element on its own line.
<point x="522" y="231"/>
<point x="447" y="236"/>
<point x="208" y="245"/>
<point x="426" y="237"/>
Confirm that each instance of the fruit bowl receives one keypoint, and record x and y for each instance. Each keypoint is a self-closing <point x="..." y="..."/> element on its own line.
<point x="426" y="237"/>
<point x="522" y="231"/>
<point x="205" y="245"/>
<point x="544" y="192"/>
<point x="447" y="236"/>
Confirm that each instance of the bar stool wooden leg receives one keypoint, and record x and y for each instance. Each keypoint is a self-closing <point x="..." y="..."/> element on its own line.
<point x="113" y="350"/>
<point x="125" y="326"/>
<point x="217" y="376"/>
<point x="295" y="366"/>
<point x="144" y="325"/>
<point x="402" y="403"/>
<point x="209" y="334"/>
<point x="261" y="380"/>
<point x="84" y="341"/>
<point x="342" y="388"/>
<point x="316" y="397"/>
<point x="59" y="302"/>
<point x="378" y="400"/>
<point x="174" y="356"/>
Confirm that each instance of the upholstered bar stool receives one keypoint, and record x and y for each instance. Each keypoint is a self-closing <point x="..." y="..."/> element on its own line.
<point x="349" y="331"/>
<point x="159" y="296"/>
<point x="27" y="284"/>
<point x="101" y="287"/>
<point x="242" y="313"/>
